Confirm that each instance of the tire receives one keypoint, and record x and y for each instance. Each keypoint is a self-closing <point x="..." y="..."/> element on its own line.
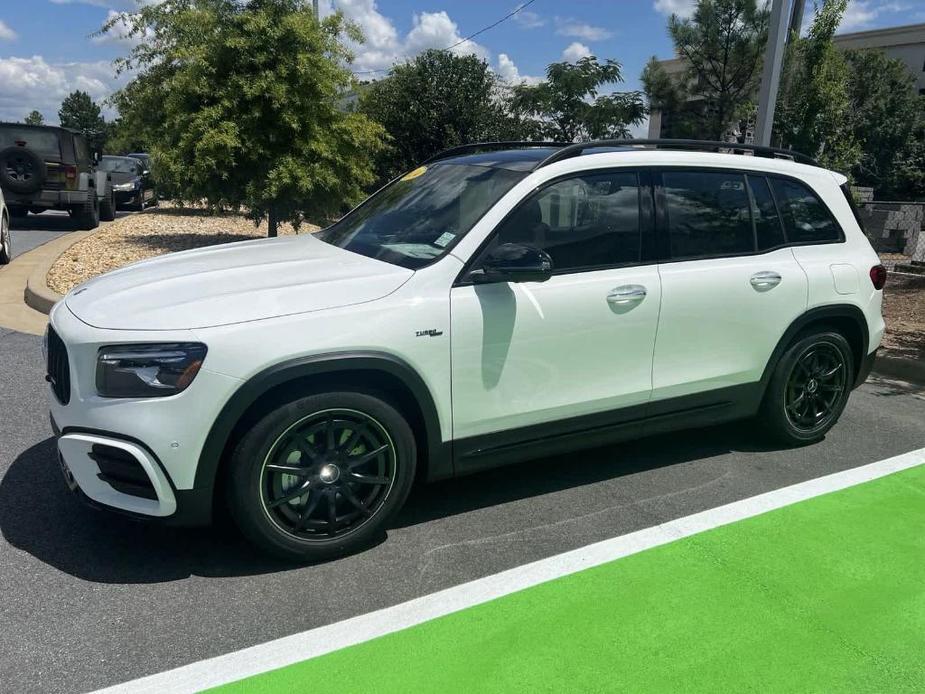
<point x="6" y="241"/>
<point x="108" y="208"/>
<point x="22" y="170"/>
<point x="88" y="215"/>
<point x="808" y="389"/>
<point x="365" y="476"/>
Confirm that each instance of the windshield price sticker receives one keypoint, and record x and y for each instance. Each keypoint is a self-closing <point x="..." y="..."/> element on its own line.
<point x="444" y="239"/>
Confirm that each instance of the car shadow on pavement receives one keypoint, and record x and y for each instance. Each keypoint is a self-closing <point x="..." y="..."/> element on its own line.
<point x="39" y="516"/>
<point x="544" y="476"/>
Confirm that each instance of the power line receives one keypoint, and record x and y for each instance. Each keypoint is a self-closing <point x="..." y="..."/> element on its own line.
<point x="506" y="17"/>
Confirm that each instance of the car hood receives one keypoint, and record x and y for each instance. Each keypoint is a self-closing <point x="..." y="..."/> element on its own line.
<point x="233" y="283"/>
<point x="119" y="177"/>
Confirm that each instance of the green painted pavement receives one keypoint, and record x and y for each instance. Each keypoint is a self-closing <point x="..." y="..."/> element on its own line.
<point x="825" y="595"/>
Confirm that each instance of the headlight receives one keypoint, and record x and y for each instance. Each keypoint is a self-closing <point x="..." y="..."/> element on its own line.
<point x="147" y="370"/>
<point x="124" y="186"/>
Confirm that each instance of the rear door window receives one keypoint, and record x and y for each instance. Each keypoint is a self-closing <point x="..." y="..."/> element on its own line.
<point x="806" y="218"/>
<point x="708" y="214"/>
<point x="40" y="141"/>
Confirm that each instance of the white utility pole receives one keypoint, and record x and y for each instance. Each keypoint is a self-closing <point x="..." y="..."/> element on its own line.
<point x="770" y="77"/>
<point x="315" y="8"/>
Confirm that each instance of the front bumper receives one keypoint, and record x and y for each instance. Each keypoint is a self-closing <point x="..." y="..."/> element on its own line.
<point x="160" y="438"/>
<point x="124" y="196"/>
<point x="47" y="198"/>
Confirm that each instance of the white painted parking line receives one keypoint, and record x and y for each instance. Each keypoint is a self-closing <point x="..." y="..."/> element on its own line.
<point x="315" y="642"/>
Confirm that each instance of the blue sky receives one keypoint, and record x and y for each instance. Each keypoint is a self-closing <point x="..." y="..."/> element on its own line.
<point x="46" y="47"/>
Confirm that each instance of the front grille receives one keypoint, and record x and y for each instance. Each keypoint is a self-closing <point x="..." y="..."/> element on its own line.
<point x="59" y="371"/>
<point x="120" y="470"/>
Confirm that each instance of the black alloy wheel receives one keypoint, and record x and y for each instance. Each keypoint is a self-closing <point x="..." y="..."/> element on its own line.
<point x="816" y="387"/>
<point x="322" y="475"/>
<point x="328" y="474"/>
<point x="808" y="388"/>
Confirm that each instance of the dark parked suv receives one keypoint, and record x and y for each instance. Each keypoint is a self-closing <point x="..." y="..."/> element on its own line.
<point x="50" y="168"/>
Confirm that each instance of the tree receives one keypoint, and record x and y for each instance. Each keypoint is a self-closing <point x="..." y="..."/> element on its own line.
<point x="239" y="104"/>
<point x="80" y="112"/>
<point x="814" y="110"/>
<point x="436" y="101"/>
<point x="884" y="113"/>
<point x="722" y="45"/>
<point x="566" y="107"/>
<point x="34" y="118"/>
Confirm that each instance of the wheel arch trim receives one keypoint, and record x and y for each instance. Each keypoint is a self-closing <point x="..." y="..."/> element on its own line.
<point x="816" y="315"/>
<point x="438" y="453"/>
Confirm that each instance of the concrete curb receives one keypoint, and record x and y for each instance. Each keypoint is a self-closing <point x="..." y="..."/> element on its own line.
<point x="38" y="294"/>
<point x="911" y="370"/>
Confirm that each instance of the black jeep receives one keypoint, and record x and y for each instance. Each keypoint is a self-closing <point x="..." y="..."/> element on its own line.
<point x="49" y="168"/>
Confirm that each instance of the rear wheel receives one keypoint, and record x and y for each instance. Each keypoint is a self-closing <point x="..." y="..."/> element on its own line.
<point x="809" y="388"/>
<point x="321" y="476"/>
<point x="88" y="215"/>
<point x="108" y="208"/>
<point x="6" y="241"/>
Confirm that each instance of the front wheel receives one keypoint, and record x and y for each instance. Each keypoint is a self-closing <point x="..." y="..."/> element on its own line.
<point x="6" y="241"/>
<point x="809" y="389"/>
<point x="321" y="476"/>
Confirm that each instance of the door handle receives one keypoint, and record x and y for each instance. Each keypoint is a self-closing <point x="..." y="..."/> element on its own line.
<point x="762" y="281"/>
<point x="627" y="294"/>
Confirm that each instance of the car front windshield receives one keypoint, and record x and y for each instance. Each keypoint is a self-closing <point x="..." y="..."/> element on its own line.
<point x="119" y="165"/>
<point x="415" y="219"/>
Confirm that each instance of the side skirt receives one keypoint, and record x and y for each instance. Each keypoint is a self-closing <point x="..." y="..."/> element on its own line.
<point x="487" y="451"/>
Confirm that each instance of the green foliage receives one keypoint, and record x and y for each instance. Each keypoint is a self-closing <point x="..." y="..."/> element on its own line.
<point x="814" y="110"/>
<point x="436" y="101"/>
<point x="885" y="111"/>
<point x="906" y="181"/>
<point x="34" y="118"/>
<point x="79" y="112"/>
<point x="239" y="106"/>
<point x="722" y="44"/>
<point x="566" y="107"/>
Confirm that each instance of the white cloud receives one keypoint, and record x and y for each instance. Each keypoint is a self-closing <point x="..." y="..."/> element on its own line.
<point x="508" y="72"/>
<point x="682" y="8"/>
<point x="575" y="52"/>
<point x="33" y="83"/>
<point x="384" y="45"/>
<point x="119" y="33"/>
<point x="581" y="30"/>
<point x="6" y="34"/>
<point x="862" y="14"/>
<point x="529" y="20"/>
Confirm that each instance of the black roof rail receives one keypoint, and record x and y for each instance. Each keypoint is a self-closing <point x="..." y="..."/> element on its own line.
<point x="480" y="146"/>
<point x="579" y="148"/>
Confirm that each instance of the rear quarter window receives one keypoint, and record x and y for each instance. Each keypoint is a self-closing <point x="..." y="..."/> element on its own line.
<point x="806" y="218"/>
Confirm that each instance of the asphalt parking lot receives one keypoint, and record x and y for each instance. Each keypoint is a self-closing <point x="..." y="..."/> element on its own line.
<point x="88" y="599"/>
<point x="37" y="229"/>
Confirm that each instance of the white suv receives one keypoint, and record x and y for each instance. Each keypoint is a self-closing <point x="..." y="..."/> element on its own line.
<point x="495" y="305"/>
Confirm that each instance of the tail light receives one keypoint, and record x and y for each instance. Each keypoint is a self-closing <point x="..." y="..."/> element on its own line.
<point x="878" y="276"/>
<point x="70" y="172"/>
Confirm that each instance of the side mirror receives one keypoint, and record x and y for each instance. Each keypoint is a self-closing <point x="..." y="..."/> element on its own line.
<point x="514" y="262"/>
<point x="145" y="172"/>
